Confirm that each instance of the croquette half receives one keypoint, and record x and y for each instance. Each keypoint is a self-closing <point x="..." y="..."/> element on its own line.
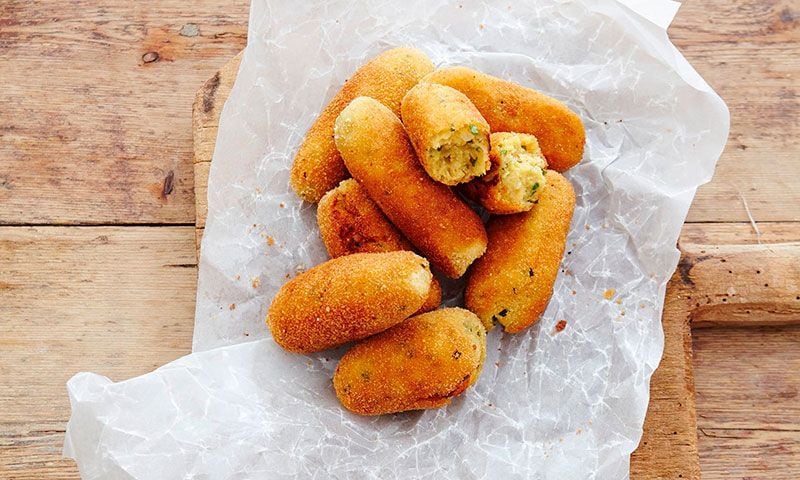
<point x="421" y="363"/>
<point x="317" y="166"/>
<point x="449" y="134"/>
<point x="517" y="176"/>
<point x="512" y="283"/>
<point x="509" y="107"/>
<point x="378" y="154"/>
<point x="348" y="298"/>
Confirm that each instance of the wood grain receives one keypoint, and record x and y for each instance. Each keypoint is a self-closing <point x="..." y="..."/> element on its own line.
<point x="749" y="51"/>
<point x="747" y="382"/>
<point x="95" y="102"/>
<point x="118" y="301"/>
<point x="120" y="113"/>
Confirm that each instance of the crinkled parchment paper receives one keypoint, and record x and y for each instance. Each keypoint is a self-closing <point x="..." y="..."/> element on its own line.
<point x="566" y="405"/>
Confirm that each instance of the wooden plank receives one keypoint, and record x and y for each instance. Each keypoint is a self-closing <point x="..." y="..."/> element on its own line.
<point x="749" y="51"/>
<point x="747" y="384"/>
<point x="750" y="454"/>
<point x="668" y="448"/>
<point x="118" y="301"/>
<point x="95" y="103"/>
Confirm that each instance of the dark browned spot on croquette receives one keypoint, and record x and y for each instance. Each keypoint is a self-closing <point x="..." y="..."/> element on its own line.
<point x="456" y="355"/>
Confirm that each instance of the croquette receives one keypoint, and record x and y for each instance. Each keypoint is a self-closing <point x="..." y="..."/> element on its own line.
<point x="421" y="363"/>
<point x="317" y="166"/>
<point x="350" y="222"/>
<point x="348" y="298"/>
<point x="512" y="283"/>
<point x="509" y="107"/>
<point x="516" y="178"/>
<point x="449" y="134"/>
<point x="379" y="155"/>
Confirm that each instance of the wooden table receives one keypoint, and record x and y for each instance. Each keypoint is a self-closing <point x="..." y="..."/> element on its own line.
<point x="97" y="263"/>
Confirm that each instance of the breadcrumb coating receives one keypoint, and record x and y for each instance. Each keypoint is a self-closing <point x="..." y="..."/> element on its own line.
<point x="509" y="107"/>
<point x="350" y="222"/>
<point x="379" y="155"/>
<point x="448" y="133"/>
<point x="318" y="167"/>
<point x="421" y="363"/>
<point x="348" y="298"/>
<point x="512" y="283"/>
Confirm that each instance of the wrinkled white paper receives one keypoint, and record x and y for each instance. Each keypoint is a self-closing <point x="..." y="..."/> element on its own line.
<point x="548" y="405"/>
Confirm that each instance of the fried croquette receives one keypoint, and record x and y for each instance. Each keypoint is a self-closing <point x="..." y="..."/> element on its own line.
<point x="378" y="154"/>
<point x="350" y="222"/>
<point x="421" y="363"/>
<point x="449" y="134"/>
<point x="516" y="178"/>
<point x="509" y="107"/>
<point x="513" y="282"/>
<point x="348" y="298"/>
<point x="317" y="166"/>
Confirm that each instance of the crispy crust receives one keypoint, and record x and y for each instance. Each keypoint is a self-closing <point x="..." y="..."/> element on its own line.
<point x="347" y="299"/>
<point x="509" y="107"/>
<point x="350" y="222"/>
<point x="434" y="298"/>
<point x="421" y="363"/>
<point x="377" y="152"/>
<point x="431" y="110"/>
<point x="495" y="190"/>
<point x="317" y="166"/>
<point x="513" y="282"/>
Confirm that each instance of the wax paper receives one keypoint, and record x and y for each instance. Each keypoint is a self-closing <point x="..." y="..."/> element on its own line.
<point x="551" y="403"/>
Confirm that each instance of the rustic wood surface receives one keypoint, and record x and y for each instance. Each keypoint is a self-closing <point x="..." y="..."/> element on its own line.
<point x="95" y="102"/>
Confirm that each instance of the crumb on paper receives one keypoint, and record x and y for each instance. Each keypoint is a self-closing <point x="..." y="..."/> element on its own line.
<point x="642" y="305"/>
<point x="578" y="431"/>
<point x="482" y="26"/>
<point x="246" y="334"/>
<point x="622" y="313"/>
<point x="618" y="301"/>
<point x="574" y="292"/>
<point x="237" y="277"/>
<point x="258" y="190"/>
<point x="255" y="282"/>
<point x="270" y="240"/>
<point x="282" y="205"/>
<point x="232" y="306"/>
<point x="609" y="294"/>
<point x="561" y="325"/>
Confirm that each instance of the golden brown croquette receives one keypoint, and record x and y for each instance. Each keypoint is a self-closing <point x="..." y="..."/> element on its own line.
<point x="378" y="154"/>
<point x="513" y="282"/>
<point x="448" y="133"/>
<point x="348" y="298"/>
<point x="317" y="166"/>
<point x="509" y="107"/>
<point x="421" y="363"/>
